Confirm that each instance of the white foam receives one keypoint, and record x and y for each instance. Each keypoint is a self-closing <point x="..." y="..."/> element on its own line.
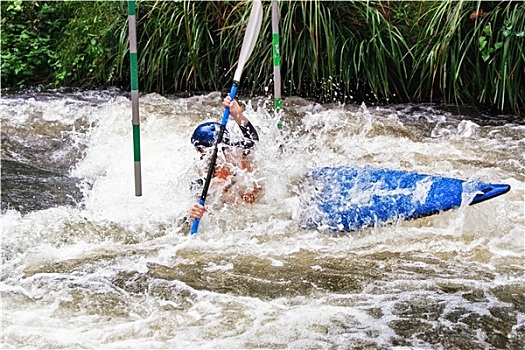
<point x="73" y="275"/>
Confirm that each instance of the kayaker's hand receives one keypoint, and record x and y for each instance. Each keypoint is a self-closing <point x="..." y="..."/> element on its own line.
<point x="235" y="109"/>
<point x="197" y="211"/>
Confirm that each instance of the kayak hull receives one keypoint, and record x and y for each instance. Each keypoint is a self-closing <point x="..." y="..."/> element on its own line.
<point x="350" y="198"/>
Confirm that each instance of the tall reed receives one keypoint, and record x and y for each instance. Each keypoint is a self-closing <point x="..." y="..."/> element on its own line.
<point x="470" y="52"/>
<point x="351" y="51"/>
<point x="189" y="45"/>
<point x="374" y="52"/>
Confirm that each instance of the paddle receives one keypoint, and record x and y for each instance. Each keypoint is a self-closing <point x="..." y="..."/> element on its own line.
<point x="250" y="38"/>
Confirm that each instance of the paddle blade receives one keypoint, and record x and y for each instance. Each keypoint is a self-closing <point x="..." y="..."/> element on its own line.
<point x="250" y="37"/>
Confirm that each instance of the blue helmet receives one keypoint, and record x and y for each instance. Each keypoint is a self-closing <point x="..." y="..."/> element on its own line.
<point x="207" y="133"/>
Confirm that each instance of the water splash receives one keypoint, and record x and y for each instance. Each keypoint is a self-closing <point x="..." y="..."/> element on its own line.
<point x="118" y="271"/>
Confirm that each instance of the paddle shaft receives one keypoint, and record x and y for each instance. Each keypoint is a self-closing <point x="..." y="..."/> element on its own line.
<point x="213" y="160"/>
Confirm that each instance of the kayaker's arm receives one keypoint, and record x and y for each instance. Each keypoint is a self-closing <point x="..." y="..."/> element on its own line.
<point x="248" y="130"/>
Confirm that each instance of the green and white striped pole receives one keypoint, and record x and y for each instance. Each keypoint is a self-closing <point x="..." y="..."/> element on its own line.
<point x="276" y="62"/>
<point x="134" y="95"/>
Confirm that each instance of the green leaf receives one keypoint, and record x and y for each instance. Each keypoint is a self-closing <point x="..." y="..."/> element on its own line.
<point x="16" y="5"/>
<point x="482" y="42"/>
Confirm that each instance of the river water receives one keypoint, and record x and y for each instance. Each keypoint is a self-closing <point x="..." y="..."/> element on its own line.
<point x="87" y="264"/>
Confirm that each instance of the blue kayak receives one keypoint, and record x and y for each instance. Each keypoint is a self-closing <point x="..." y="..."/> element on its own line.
<point x="348" y="198"/>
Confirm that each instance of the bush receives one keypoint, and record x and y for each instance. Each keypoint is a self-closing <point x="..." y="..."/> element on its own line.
<point x="28" y="41"/>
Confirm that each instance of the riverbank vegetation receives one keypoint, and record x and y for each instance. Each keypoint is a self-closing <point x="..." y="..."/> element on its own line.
<point x="460" y="52"/>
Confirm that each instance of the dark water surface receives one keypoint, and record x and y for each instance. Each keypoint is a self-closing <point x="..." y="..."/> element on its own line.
<point x="26" y="188"/>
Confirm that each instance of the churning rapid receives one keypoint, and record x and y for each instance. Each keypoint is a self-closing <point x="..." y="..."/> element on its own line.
<point x="86" y="264"/>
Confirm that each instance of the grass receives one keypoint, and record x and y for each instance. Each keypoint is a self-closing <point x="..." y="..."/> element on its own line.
<point x="461" y="52"/>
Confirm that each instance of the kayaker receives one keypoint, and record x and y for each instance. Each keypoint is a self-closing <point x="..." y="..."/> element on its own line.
<point x="234" y="161"/>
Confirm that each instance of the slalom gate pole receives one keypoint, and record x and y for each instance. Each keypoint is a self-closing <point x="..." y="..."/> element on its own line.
<point x="276" y="61"/>
<point x="134" y="95"/>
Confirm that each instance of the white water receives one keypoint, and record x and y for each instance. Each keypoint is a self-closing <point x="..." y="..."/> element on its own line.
<point x="119" y="271"/>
